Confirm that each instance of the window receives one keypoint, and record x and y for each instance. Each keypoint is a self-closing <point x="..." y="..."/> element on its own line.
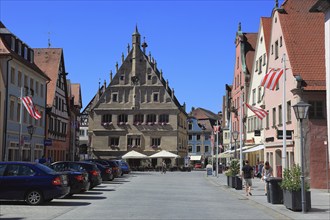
<point x="113" y="141"/>
<point x="151" y="118"/>
<point x="19" y="79"/>
<point x="267" y="121"/>
<point x="24" y="115"/>
<point x="315" y="110"/>
<point x="198" y="137"/>
<point x="12" y="75"/>
<point x="272" y="49"/>
<point x="274" y="117"/>
<point x="190" y="126"/>
<point x="41" y="121"/>
<point x="149" y="76"/>
<point x="37" y="88"/>
<point x="164" y="118"/>
<point x="139" y="118"/>
<point x="25" y="53"/>
<point x="18" y="110"/>
<point x="198" y="149"/>
<point x="260" y="64"/>
<point x="254" y="96"/>
<point x="155" y="97"/>
<point x="31" y="56"/>
<point x="12" y="46"/>
<point x="280" y="114"/>
<point x="190" y="137"/>
<point x="26" y="81"/>
<point x="41" y="90"/>
<point x="32" y="86"/>
<point x="11" y="113"/>
<point x="288" y="111"/>
<point x="264" y="60"/>
<point x="115" y="97"/>
<point x="122" y="77"/>
<point x="189" y="149"/>
<point x="281" y="41"/>
<point x="106" y="118"/>
<point x="123" y="118"/>
<point x="259" y="94"/>
<point x="276" y="49"/>
<point x="257" y="66"/>
<point x="19" y="48"/>
<point x="206" y="149"/>
<point x="155" y="141"/>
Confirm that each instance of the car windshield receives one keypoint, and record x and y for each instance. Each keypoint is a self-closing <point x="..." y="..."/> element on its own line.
<point x="45" y="168"/>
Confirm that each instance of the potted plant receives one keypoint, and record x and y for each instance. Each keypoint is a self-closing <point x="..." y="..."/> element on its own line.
<point x="291" y="185"/>
<point x="233" y="179"/>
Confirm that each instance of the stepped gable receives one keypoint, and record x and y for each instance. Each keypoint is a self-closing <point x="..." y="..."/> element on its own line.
<point x="303" y="33"/>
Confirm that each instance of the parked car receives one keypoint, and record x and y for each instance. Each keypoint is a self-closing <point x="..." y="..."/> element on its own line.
<point x="78" y="180"/>
<point x="198" y="166"/>
<point x="124" y="166"/>
<point x="94" y="174"/>
<point x="106" y="172"/>
<point x="115" y="167"/>
<point x="34" y="183"/>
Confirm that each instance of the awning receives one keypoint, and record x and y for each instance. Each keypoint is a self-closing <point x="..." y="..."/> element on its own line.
<point x="256" y="148"/>
<point x="198" y="157"/>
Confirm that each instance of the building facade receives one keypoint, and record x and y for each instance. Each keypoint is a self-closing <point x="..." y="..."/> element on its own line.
<point x="138" y="111"/>
<point x="51" y="61"/>
<point x="20" y="77"/>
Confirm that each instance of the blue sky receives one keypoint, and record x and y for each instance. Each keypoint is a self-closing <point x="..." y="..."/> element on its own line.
<point x="192" y="41"/>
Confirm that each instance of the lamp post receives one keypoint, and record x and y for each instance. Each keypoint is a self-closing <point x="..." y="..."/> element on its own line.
<point x="235" y="136"/>
<point x="301" y="111"/>
<point x="31" y="129"/>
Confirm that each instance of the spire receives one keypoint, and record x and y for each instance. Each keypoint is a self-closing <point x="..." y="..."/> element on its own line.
<point x="239" y="27"/>
<point x="276" y="3"/>
<point x="128" y="48"/>
<point x="136" y="38"/>
<point x="122" y="58"/>
<point x="110" y="75"/>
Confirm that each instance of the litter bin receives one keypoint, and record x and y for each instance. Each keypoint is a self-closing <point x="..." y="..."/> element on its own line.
<point x="275" y="191"/>
<point x="209" y="170"/>
<point x="268" y="190"/>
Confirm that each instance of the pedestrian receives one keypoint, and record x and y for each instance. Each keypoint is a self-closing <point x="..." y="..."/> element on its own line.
<point x="163" y="167"/>
<point x="247" y="174"/>
<point x="267" y="171"/>
<point x="42" y="160"/>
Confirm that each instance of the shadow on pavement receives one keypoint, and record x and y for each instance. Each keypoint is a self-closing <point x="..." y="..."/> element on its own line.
<point x="86" y="197"/>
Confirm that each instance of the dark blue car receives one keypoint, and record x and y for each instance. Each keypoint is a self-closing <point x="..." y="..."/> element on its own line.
<point x="32" y="182"/>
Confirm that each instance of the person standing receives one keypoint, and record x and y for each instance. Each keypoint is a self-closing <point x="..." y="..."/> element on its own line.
<point x="163" y="167"/>
<point x="267" y="171"/>
<point x="247" y="174"/>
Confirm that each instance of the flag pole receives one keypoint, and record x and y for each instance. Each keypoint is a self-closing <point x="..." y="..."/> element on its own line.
<point x="217" y="150"/>
<point x="20" y="137"/>
<point x="212" y="144"/>
<point x="241" y="132"/>
<point x="284" y="164"/>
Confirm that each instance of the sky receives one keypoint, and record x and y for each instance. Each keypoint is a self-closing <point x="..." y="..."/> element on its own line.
<point x="192" y="41"/>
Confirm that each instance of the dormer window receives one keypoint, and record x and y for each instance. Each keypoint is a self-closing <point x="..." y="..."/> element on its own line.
<point x="115" y="97"/>
<point x="149" y="76"/>
<point x="19" y="48"/>
<point x="156" y="97"/>
<point x="12" y="44"/>
<point x="25" y="52"/>
<point x="31" y="56"/>
<point x="122" y="77"/>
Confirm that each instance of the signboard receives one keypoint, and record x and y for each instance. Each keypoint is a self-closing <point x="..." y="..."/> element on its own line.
<point x="257" y="133"/>
<point x="288" y="134"/>
<point x="48" y="142"/>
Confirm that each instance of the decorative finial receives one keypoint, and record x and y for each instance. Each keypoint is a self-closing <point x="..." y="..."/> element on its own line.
<point x="239" y="26"/>
<point x="276" y="3"/>
<point x="110" y="75"/>
<point x="128" y="48"/>
<point x="116" y="66"/>
<point x="49" y="44"/>
<point x="144" y="45"/>
<point x="122" y="57"/>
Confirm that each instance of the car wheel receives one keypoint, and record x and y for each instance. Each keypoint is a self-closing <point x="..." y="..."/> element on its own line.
<point x="34" y="197"/>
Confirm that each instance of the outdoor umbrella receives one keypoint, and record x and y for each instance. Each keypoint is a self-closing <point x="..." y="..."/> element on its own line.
<point x="134" y="155"/>
<point x="164" y="154"/>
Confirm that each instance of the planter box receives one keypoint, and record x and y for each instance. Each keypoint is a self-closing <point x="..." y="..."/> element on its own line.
<point x="231" y="181"/>
<point x="292" y="200"/>
<point x="238" y="183"/>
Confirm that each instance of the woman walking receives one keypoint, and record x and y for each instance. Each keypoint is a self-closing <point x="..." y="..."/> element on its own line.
<point x="267" y="171"/>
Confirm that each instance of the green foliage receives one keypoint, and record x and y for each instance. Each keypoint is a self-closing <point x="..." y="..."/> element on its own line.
<point x="228" y="172"/>
<point x="291" y="179"/>
<point x="234" y="167"/>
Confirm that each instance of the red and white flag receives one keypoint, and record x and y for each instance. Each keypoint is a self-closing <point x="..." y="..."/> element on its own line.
<point x="216" y="129"/>
<point x="259" y="112"/>
<point x="271" y="79"/>
<point x="27" y="101"/>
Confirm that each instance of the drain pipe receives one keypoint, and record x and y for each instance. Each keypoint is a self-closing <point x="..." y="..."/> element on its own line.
<point x="5" y="149"/>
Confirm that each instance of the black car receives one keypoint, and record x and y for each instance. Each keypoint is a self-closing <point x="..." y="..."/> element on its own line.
<point x="106" y="172"/>
<point x="78" y="180"/>
<point x="34" y="183"/>
<point x="108" y="163"/>
<point x="94" y="174"/>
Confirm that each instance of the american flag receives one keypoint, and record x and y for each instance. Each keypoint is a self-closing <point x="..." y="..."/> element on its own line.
<point x="271" y="79"/>
<point x="28" y="103"/>
<point x="259" y="112"/>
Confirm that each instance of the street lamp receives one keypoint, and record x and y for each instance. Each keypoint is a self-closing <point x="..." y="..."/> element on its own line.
<point x="31" y="129"/>
<point x="235" y="137"/>
<point x="301" y="112"/>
